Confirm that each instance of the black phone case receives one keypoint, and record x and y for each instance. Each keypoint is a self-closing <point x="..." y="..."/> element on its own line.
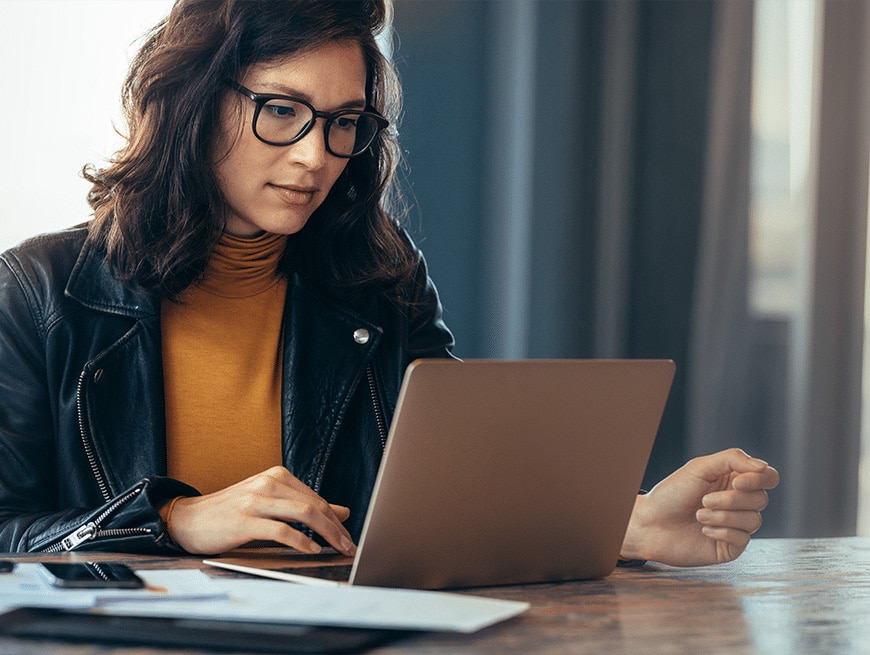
<point x="93" y="575"/>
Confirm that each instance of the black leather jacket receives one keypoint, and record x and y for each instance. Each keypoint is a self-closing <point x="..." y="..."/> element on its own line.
<point x="82" y="437"/>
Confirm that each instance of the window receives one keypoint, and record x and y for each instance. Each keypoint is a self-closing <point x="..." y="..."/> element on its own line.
<point x="782" y="179"/>
<point x="64" y="63"/>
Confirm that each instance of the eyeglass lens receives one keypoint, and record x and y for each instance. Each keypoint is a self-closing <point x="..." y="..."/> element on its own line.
<point x="281" y="121"/>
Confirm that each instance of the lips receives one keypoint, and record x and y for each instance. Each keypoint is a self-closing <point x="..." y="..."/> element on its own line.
<point x="295" y="195"/>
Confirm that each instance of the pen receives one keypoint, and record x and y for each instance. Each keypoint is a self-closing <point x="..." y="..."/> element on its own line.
<point x="106" y="601"/>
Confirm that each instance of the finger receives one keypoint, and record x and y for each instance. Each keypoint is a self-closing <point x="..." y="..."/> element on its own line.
<point x="765" y="479"/>
<point x="258" y="529"/>
<point x="278" y="494"/>
<point x="325" y="523"/>
<point x="316" y="514"/>
<point x="730" y="542"/>
<point x="748" y="522"/>
<point x="715" y="466"/>
<point x="302" y="504"/>
<point x="342" y="512"/>
<point x="736" y="500"/>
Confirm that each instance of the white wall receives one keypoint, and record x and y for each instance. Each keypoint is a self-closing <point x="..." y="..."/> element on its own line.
<point x="63" y="65"/>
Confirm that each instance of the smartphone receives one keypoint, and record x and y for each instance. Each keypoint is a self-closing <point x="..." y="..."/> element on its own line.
<point x="91" y="575"/>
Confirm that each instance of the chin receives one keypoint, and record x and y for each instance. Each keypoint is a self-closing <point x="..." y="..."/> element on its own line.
<point x="286" y="227"/>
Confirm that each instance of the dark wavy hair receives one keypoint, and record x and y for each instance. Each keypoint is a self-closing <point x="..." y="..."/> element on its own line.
<point x="158" y="208"/>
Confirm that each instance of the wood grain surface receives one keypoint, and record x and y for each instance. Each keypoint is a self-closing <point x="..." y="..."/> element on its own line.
<point x="781" y="596"/>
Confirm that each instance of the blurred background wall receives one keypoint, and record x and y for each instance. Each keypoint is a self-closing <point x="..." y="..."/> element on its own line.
<point x="556" y="156"/>
<point x="681" y="179"/>
<point x="588" y="178"/>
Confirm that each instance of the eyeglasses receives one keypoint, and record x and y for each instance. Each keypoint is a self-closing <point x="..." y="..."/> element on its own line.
<point x="283" y="120"/>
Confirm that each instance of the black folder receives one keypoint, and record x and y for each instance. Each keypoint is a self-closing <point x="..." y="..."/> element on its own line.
<point x="255" y="637"/>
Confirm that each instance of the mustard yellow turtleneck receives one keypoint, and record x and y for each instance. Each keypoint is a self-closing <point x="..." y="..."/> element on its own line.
<point x="222" y="366"/>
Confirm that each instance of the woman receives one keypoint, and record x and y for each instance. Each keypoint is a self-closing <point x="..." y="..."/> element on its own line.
<point x="213" y="359"/>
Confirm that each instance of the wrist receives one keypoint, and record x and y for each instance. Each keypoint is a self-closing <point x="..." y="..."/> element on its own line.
<point x="168" y="516"/>
<point x="633" y="543"/>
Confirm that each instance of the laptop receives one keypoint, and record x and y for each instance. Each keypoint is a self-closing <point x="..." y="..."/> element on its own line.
<point x="505" y="472"/>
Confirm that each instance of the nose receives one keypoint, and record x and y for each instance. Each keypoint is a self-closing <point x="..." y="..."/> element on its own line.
<point x="310" y="150"/>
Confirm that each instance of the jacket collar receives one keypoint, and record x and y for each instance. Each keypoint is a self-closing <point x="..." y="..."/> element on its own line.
<point x="93" y="284"/>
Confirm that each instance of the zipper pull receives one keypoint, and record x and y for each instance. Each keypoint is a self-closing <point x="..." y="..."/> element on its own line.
<point x="83" y="533"/>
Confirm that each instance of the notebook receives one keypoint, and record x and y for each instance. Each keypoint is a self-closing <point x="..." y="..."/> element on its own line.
<point x="505" y="472"/>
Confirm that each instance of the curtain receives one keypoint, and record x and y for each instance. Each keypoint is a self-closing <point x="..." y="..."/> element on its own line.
<point x="792" y="386"/>
<point x="719" y="385"/>
<point x="823" y="445"/>
<point x="579" y="177"/>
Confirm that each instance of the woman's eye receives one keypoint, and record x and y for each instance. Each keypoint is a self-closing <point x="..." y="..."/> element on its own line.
<point x="281" y="111"/>
<point x="346" y="122"/>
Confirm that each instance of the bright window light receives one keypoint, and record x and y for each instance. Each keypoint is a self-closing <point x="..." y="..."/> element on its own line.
<point x="63" y="65"/>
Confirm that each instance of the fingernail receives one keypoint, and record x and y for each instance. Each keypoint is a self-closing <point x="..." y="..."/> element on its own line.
<point x="348" y="546"/>
<point x="703" y="515"/>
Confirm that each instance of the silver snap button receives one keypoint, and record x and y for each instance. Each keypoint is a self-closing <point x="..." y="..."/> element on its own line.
<point x="361" y="335"/>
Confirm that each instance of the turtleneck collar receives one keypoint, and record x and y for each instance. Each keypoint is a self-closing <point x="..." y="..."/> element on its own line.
<point x="243" y="267"/>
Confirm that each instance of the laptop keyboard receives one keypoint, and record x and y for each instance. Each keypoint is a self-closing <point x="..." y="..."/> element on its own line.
<point x="337" y="572"/>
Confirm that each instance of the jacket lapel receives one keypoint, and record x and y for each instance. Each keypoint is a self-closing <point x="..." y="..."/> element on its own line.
<point x="326" y="351"/>
<point x="120" y="389"/>
<point x="327" y="348"/>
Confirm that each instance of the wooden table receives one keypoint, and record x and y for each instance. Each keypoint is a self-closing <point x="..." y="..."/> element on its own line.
<point x="781" y="596"/>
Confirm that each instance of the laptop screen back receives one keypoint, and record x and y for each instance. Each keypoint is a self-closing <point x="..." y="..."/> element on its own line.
<point x="503" y="472"/>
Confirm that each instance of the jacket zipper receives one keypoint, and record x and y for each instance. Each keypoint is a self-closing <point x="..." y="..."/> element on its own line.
<point x="91" y="530"/>
<point x="382" y="433"/>
<point x="379" y="414"/>
<point x="86" y="441"/>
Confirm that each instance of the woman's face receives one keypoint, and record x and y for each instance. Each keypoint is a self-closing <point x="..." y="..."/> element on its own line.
<point x="277" y="188"/>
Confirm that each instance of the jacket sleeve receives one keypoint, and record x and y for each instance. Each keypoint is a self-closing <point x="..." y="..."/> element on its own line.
<point x="428" y="335"/>
<point x="33" y="514"/>
<point x="129" y="522"/>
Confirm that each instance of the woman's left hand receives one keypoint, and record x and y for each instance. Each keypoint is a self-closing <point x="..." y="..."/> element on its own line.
<point x="703" y="513"/>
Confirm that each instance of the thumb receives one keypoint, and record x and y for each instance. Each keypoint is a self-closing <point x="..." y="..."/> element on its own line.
<point x="733" y="460"/>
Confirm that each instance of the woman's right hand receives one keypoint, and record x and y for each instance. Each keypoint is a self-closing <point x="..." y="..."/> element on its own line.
<point x="259" y="508"/>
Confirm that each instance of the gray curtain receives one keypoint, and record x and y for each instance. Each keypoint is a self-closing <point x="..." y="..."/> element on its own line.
<point x="579" y="181"/>
<point x="825" y="411"/>
<point x="719" y="384"/>
<point x="790" y="385"/>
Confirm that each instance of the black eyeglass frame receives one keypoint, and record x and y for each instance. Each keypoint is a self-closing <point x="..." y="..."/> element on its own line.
<point x="260" y="100"/>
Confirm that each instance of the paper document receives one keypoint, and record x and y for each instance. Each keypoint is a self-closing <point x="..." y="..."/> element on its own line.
<point x="346" y="606"/>
<point x="26" y="586"/>
<point x="190" y="593"/>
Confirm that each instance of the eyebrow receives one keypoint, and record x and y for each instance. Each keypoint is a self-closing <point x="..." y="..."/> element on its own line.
<point x="288" y="91"/>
